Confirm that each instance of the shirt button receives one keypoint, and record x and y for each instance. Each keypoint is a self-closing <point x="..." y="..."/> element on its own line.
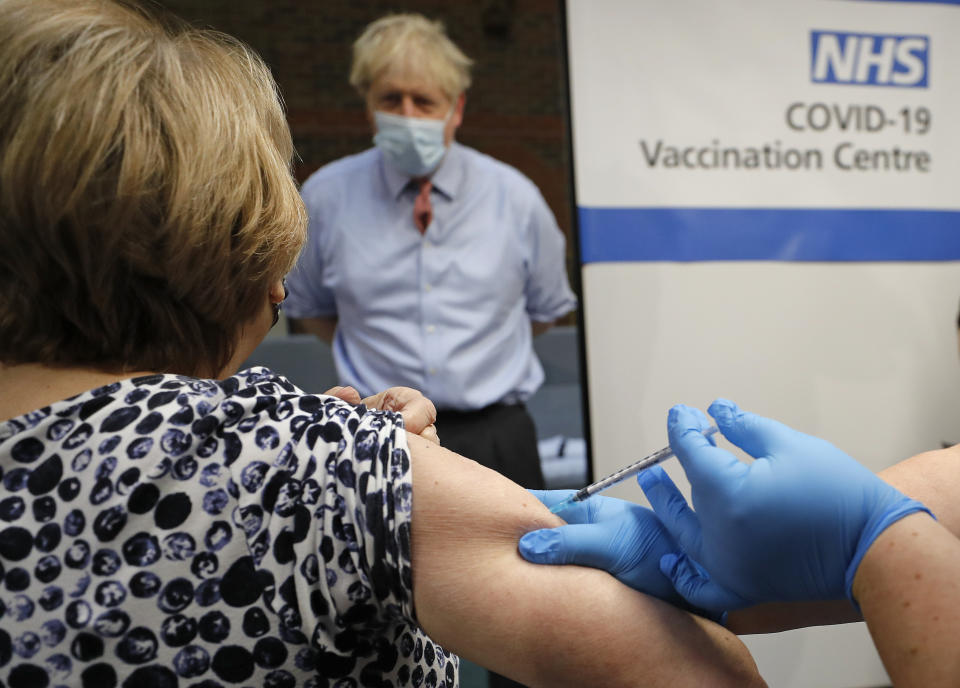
<point x="430" y="328"/>
<point x="432" y="371"/>
<point x="427" y="288"/>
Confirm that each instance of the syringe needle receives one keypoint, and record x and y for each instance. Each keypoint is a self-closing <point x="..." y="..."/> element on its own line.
<point x="619" y="476"/>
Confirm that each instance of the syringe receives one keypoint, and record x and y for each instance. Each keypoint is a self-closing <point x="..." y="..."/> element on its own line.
<point x="621" y="475"/>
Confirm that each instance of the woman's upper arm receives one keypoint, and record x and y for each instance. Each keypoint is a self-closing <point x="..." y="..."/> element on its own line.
<point x="934" y="479"/>
<point x="542" y="625"/>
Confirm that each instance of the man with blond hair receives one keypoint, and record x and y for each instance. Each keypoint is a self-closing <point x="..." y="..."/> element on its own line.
<point x="429" y="264"/>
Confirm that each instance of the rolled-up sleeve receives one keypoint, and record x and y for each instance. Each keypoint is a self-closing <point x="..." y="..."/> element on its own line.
<point x="330" y="519"/>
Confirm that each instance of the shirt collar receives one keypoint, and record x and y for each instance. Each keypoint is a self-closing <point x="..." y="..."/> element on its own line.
<point x="447" y="179"/>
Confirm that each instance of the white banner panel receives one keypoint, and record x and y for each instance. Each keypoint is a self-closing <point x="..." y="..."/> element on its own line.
<point x="833" y="109"/>
<point x="768" y="207"/>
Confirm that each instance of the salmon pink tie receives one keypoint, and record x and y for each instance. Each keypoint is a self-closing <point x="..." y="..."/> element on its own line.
<point x="422" y="210"/>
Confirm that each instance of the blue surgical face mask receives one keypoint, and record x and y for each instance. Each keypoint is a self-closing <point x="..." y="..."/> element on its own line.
<point x="412" y="145"/>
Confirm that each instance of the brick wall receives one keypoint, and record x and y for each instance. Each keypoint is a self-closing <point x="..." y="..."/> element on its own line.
<point x="515" y="108"/>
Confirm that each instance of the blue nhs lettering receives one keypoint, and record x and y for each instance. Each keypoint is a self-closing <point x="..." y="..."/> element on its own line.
<point x="869" y="59"/>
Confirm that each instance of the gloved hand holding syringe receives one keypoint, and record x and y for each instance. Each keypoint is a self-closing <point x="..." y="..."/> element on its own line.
<point x="619" y="476"/>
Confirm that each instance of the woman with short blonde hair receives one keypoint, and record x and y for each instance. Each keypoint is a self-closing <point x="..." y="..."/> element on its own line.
<point x="147" y="201"/>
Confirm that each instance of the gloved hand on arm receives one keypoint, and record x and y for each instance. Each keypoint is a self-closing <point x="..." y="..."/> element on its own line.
<point x="792" y="525"/>
<point x="621" y="537"/>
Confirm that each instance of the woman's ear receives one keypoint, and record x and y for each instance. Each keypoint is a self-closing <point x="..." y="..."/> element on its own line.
<point x="278" y="292"/>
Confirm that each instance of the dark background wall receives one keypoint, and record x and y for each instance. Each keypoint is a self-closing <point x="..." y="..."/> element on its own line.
<point x="516" y="107"/>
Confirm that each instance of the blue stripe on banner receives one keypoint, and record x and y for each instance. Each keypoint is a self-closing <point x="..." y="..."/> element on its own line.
<point x="791" y="234"/>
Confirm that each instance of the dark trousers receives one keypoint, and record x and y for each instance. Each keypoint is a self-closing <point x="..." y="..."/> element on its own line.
<point x="501" y="437"/>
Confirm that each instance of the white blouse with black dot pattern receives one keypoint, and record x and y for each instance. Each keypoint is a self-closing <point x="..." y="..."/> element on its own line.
<point x="167" y="531"/>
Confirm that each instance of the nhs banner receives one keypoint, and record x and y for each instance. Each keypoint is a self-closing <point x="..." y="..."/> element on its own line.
<point x="869" y="59"/>
<point x="768" y="197"/>
<point x="766" y="130"/>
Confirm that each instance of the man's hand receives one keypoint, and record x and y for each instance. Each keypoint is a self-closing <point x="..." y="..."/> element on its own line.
<point x="419" y="413"/>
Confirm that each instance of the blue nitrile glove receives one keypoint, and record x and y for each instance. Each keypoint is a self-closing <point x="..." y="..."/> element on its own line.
<point x="617" y="536"/>
<point x="792" y="525"/>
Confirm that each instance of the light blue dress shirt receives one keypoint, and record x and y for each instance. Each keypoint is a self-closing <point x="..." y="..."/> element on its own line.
<point x="447" y="312"/>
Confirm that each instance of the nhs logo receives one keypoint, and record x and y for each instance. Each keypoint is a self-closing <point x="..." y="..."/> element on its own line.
<point x="869" y="59"/>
